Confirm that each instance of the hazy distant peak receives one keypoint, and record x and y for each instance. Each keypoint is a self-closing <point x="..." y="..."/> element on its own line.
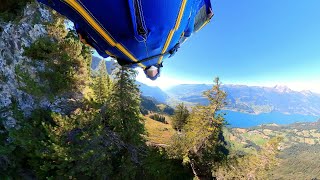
<point x="234" y="85"/>
<point x="282" y="89"/>
<point x="254" y="99"/>
<point x="153" y="91"/>
<point x="306" y="92"/>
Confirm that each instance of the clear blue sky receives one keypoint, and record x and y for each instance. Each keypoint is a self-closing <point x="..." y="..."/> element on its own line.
<point x="253" y="42"/>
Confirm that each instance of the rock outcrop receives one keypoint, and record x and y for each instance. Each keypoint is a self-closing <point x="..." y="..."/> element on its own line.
<point x="14" y="37"/>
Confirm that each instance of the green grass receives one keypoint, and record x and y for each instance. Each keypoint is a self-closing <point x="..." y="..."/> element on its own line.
<point x="259" y="141"/>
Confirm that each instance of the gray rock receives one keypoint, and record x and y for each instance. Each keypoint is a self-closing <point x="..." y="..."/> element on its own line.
<point x="13" y="38"/>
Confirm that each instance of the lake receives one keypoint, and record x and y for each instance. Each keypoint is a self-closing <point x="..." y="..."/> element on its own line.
<point x="244" y="120"/>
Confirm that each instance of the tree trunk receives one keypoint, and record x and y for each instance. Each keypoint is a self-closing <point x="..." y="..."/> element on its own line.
<point x="200" y="170"/>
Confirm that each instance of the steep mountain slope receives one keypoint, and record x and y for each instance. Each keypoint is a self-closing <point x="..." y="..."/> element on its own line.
<point x="110" y="65"/>
<point x="254" y="99"/>
<point x="299" y="149"/>
<point x="153" y="91"/>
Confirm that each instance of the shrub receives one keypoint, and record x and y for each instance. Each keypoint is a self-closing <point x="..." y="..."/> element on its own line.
<point x="158" y="117"/>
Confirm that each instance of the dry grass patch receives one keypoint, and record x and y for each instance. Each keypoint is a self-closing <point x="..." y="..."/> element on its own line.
<point x="158" y="133"/>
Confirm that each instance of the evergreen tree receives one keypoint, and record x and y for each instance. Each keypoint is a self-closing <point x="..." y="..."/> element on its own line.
<point x="123" y="117"/>
<point x="202" y="144"/>
<point x="158" y="117"/>
<point x="179" y="119"/>
<point x="124" y="107"/>
<point x="102" y="84"/>
<point x="64" y="58"/>
<point x="53" y="146"/>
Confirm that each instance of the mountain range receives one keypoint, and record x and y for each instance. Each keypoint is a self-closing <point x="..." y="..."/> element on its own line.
<point x="251" y="99"/>
<point x="240" y="98"/>
<point x="154" y="92"/>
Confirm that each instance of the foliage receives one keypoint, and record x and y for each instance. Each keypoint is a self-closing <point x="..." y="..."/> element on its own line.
<point x="64" y="58"/>
<point x="202" y="144"/>
<point x="82" y="145"/>
<point x="251" y="166"/>
<point x="3" y="77"/>
<point x="158" y="117"/>
<point x="11" y="9"/>
<point x="300" y="161"/>
<point x="56" y="146"/>
<point x="31" y="86"/>
<point x="159" y="166"/>
<point x="102" y="84"/>
<point x="123" y="108"/>
<point x="78" y="146"/>
<point x="179" y="119"/>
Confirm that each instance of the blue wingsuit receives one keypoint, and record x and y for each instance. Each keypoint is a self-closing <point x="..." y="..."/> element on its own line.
<point x="135" y="32"/>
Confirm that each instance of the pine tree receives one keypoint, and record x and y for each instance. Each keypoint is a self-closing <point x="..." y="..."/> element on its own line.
<point x="201" y="145"/>
<point x="102" y="84"/>
<point x="56" y="146"/>
<point x="123" y="117"/>
<point x="65" y="59"/>
<point x="124" y="107"/>
<point x="179" y="119"/>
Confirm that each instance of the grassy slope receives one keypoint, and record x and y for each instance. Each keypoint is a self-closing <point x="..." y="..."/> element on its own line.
<point x="158" y="133"/>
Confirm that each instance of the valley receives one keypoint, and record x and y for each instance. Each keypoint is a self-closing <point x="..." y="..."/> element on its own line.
<point x="246" y="106"/>
<point x="299" y="149"/>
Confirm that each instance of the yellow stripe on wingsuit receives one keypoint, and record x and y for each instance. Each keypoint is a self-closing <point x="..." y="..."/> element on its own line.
<point x="75" y="5"/>
<point x="110" y="54"/>
<point x="176" y="27"/>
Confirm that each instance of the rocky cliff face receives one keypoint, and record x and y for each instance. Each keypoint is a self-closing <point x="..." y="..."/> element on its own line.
<point x="14" y="36"/>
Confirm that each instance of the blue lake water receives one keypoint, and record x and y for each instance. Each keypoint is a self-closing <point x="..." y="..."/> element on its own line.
<point x="244" y="120"/>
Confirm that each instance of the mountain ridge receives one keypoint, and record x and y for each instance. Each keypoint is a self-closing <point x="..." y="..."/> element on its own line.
<point x="254" y="99"/>
<point x="153" y="91"/>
